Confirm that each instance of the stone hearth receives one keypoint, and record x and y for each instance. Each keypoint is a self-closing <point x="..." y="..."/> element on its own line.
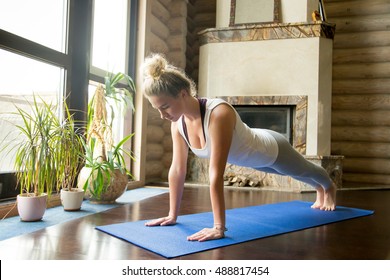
<point x="199" y="173"/>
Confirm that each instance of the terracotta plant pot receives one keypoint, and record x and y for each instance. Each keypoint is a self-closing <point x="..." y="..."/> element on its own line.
<point x="72" y="200"/>
<point x="31" y="208"/>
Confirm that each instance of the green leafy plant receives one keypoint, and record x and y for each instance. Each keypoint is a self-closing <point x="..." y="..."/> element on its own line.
<point x="102" y="156"/>
<point x="101" y="171"/>
<point x="35" y="157"/>
<point x="68" y="151"/>
<point x="48" y="149"/>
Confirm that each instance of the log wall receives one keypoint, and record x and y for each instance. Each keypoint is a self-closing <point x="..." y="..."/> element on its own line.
<point x="201" y="15"/>
<point x="174" y="28"/>
<point x="361" y="90"/>
<point x="168" y="36"/>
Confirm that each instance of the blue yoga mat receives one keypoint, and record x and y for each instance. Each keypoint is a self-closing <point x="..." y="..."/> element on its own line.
<point x="244" y="224"/>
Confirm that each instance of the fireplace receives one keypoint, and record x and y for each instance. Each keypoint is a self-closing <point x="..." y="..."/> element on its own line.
<point x="277" y="118"/>
<point x="287" y="115"/>
<point x="273" y="65"/>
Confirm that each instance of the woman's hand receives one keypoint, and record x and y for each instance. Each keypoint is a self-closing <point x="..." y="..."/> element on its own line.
<point x="164" y="221"/>
<point x="208" y="234"/>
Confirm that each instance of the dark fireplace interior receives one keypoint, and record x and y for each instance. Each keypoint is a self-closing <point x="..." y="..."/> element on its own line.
<point x="275" y="117"/>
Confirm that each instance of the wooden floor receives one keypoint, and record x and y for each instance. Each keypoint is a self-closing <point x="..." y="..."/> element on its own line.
<point x="361" y="238"/>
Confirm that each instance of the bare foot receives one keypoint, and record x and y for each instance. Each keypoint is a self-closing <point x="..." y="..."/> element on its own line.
<point x="320" y="198"/>
<point x="329" y="199"/>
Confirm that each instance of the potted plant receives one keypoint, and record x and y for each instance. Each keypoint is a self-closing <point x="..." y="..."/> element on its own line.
<point x="34" y="158"/>
<point x="48" y="156"/>
<point x="105" y="175"/>
<point x="69" y="151"/>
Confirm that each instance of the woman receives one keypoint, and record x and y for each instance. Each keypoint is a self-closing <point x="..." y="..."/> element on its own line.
<point x="212" y="129"/>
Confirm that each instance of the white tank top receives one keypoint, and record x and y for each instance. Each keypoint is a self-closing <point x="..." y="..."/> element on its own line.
<point x="250" y="147"/>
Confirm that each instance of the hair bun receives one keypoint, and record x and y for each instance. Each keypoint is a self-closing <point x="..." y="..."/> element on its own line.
<point x="154" y="66"/>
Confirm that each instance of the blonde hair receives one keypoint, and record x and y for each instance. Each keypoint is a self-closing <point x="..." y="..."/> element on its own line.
<point x="160" y="77"/>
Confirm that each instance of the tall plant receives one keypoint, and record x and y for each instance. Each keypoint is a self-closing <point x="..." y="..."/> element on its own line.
<point x="35" y="157"/>
<point x="102" y="111"/>
<point x="103" y="156"/>
<point x="69" y="150"/>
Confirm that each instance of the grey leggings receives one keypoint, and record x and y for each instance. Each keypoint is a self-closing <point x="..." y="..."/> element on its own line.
<point x="291" y="163"/>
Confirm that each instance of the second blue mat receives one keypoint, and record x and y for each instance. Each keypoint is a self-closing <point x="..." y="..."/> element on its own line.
<point x="244" y="224"/>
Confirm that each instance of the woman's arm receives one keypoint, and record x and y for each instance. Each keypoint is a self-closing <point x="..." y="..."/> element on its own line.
<point x="176" y="178"/>
<point x="177" y="171"/>
<point x="222" y="123"/>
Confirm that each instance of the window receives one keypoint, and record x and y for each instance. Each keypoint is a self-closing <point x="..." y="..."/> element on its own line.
<point x="23" y="77"/>
<point x="31" y="20"/>
<point x="109" y="41"/>
<point x="113" y="25"/>
<point x="36" y="42"/>
<point x="33" y="61"/>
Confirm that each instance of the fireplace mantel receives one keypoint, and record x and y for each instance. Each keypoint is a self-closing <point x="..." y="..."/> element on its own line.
<point x="269" y="31"/>
<point x="275" y="59"/>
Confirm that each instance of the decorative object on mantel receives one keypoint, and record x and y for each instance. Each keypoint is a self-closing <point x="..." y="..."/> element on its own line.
<point x="316" y="16"/>
<point x="253" y="11"/>
<point x="321" y="9"/>
<point x="319" y="15"/>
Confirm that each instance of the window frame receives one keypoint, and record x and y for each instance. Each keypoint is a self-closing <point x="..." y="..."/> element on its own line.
<point x="75" y="59"/>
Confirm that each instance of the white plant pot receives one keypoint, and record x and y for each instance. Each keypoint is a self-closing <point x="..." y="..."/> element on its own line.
<point x="72" y="200"/>
<point x="31" y="208"/>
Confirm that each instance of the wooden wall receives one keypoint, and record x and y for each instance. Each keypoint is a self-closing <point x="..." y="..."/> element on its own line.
<point x="361" y="90"/>
<point x="201" y="15"/>
<point x="174" y="28"/>
<point x="168" y="36"/>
